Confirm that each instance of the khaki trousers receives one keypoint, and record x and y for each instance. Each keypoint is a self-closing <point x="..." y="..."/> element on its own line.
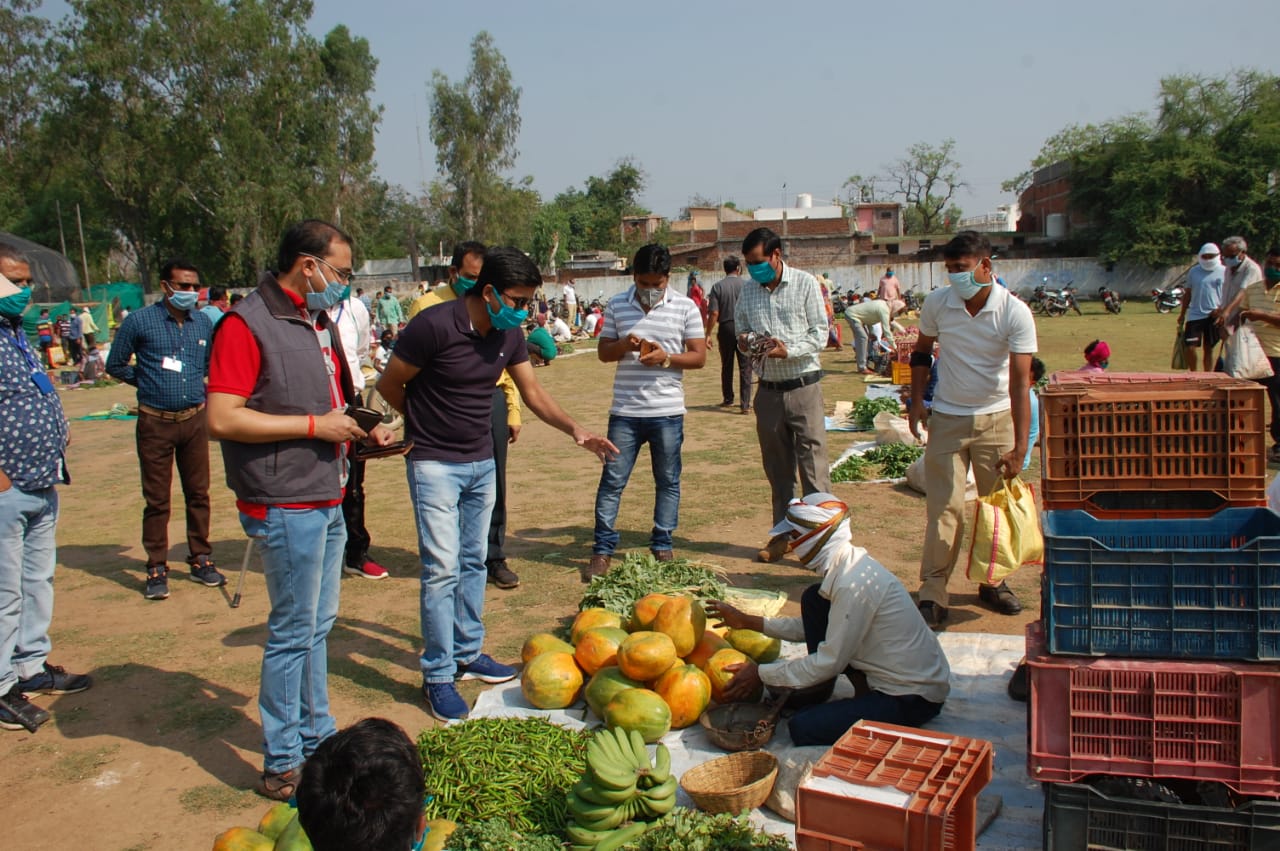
<point x="955" y="444"/>
<point x="793" y="435"/>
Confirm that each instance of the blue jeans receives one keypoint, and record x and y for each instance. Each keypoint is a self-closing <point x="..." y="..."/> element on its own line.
<point x="664" y="436"/>
<point x="302" y="553"/>
<point x="28" y="553"/>
<point x="825" y="723"/>
<point x="452" y="504"/>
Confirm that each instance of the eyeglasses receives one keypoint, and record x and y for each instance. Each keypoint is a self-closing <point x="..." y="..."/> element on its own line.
<point x="344" y="275"/>
<point x="517" y="303"/>
<point x="187" y="286"/>
<point x="20" y="282"/>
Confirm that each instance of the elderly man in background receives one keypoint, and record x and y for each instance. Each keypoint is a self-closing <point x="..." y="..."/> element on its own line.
<point x="1242" y="271"/>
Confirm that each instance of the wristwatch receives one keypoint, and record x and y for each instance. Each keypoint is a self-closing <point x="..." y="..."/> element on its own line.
<point x="666" y="363"/>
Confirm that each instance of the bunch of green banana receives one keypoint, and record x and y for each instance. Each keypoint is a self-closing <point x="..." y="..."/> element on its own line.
<point x="621" y="791"/>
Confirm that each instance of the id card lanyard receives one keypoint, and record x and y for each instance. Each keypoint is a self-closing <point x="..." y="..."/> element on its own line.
<point x="38" y="376"/>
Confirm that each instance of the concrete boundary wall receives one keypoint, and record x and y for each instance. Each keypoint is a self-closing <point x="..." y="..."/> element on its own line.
<point x="1086" y="274"/>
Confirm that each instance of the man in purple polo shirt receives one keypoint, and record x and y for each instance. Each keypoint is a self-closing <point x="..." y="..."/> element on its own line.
<point x="441" y="377"/>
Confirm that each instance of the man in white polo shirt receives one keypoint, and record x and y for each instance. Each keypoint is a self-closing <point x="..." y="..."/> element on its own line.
<point x="654" y="334"/>
<point x="981" y="411"/>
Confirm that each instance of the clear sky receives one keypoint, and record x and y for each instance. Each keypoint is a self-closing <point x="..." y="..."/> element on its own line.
<point x="731" y="100"/>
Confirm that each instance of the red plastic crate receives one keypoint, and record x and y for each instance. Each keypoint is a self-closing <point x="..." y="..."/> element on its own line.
<point x="1184" y="446"/>
<point x="1212" y="721"/>
<point x="910" y="789"/>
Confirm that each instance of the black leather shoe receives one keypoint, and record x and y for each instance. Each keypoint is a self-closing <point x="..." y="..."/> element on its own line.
<point x="999" y="598"/>
<point x="933" y="614"/>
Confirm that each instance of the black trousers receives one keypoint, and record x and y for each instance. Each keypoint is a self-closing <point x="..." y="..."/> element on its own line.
<point x="727" y="340"/>
<point x="498" y="522"/>
<point x="358" y="540"/>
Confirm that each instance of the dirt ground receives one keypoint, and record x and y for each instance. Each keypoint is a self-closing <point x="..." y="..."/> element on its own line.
<point x="162" y="752"/>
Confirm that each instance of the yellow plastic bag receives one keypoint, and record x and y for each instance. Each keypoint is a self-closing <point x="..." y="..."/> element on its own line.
<point x="1005" y="533"/>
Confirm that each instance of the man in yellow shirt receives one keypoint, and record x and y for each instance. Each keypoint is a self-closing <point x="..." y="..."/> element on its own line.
<point x="468" y="257"/>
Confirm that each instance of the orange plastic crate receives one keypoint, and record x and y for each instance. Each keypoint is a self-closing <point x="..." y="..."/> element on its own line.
<point x="1116" y="445"/>
<point x="914" y="789"/>
<point x="1212" y="721"/>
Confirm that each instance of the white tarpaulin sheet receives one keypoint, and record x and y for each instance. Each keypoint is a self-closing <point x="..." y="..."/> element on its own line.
<point x="977" y="708"/>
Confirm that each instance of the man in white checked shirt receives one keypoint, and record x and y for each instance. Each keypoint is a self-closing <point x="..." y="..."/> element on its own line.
<point x="654" y="334"/>
<point x="785" y="305"/>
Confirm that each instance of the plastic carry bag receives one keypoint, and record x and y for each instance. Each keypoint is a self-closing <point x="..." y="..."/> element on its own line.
<point x="1243" y="357"/>
<point x="1179" y="359"/>
<point x="1005" y="533"/>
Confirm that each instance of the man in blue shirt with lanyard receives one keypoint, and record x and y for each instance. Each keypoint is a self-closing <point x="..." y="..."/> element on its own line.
<point x="171" y="341"/>
<point x="33" y="438"/>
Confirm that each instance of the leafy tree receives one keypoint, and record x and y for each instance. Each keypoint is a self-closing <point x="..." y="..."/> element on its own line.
<point x="24" y="68"/>
<point x="695" y="200"/>
<point x="926" y="180"/>
<point x="1151" y="190"/>
<point x="578" y="220"/>
<point x="474" y="125"/>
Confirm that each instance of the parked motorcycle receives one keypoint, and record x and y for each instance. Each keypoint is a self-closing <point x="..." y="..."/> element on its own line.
<point x="1053" y="302"/>
<point x="1110" y="300"/>
<point x="1168" y="298"/>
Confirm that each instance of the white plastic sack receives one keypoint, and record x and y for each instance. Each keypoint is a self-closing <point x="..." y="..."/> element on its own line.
<point x="1243" y="357"/>
<point x="795" y="765"/>
<point x="891" y="428"/>
<point x="916" y="480"/>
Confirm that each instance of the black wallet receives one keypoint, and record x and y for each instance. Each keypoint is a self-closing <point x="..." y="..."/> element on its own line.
<point x="366" y="418"/>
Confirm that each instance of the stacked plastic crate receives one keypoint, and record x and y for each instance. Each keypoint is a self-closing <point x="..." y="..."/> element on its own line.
<point x="1155" y="693"/>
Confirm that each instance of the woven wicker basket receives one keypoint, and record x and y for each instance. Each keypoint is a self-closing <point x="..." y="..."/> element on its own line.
<point x="733" y="783"/>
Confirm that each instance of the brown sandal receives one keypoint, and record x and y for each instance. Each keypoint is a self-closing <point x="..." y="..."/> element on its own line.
<point x="277" y="787"/>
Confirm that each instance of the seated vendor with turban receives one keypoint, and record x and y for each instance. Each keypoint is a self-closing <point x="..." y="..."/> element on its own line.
<point x="859" y="621"/>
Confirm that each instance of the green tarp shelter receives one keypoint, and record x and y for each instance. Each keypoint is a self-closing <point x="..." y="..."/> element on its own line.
<point x="112" y="298"/>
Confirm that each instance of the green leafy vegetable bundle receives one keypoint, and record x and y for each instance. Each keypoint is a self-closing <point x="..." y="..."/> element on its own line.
<point x="865" y="410"/>
<point x="694" y="830"/>
<point x="514" y="769"/>
<point x="640" y="574"/>
<point x="497" y="835"/>
<point x="881" y="462"/>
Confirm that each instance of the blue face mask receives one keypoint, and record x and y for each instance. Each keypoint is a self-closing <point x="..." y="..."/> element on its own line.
<point x="506" y="318"/>
<point x="1231" y="262"/>
<point x="184" y="300"/>
<point x="762" y="272"/>
<point x="326" y="298"/>
<point x="461" y="285"/>
<point x="346" y="293"/>
<point x="964" y="284"/>
<point x="12" y="306"/>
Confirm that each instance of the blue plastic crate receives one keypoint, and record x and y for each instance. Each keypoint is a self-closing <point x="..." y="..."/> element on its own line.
<point x="1198" y="588"/>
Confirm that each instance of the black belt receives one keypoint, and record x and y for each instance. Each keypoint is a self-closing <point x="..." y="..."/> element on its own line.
<point x="792" y="383"/>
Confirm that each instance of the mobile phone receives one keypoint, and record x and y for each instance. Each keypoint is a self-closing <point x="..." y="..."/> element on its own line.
<point x="366" y="418"/>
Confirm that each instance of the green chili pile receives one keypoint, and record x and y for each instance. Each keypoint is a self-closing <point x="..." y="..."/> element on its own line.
<point x="865" y="410"/>
<point x="881" y="462"/>
<point x="514" y="769"/>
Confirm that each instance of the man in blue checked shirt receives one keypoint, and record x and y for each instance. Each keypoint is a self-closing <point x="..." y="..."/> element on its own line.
<point x="170" y="340"/>
<point x="33" y="439"/>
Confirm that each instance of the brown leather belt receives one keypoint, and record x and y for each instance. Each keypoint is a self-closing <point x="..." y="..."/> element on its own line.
<point x="170" y="416"/>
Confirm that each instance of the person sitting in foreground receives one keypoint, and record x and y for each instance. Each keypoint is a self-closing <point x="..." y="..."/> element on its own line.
<point x="859" y="621"/>
<point x="542" y="349"/>
<point x="363" y="788"/>
<point x="1096" y="357"/>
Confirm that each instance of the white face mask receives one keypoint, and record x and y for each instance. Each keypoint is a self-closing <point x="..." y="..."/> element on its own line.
<point x="1210" y="264"/>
